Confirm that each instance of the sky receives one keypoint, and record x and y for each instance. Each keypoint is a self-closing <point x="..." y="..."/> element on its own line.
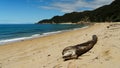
<point x="32" y="11"/>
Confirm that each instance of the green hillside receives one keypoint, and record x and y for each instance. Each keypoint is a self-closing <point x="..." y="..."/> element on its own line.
<point x="110" y="13"/>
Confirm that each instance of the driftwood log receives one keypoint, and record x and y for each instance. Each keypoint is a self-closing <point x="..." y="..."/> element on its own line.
<point x="73" y="52"/>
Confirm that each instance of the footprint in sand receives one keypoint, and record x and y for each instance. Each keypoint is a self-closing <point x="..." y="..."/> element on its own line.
<point x="57" y="66"/>
<point x="72" y="65"/>
<point x="106" y="55"/>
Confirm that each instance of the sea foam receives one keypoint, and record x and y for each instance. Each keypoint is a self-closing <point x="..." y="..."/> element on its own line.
<point x="26" y="38"/>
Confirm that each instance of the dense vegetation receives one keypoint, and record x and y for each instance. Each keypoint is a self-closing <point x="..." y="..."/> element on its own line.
<point x="110" y="13"/>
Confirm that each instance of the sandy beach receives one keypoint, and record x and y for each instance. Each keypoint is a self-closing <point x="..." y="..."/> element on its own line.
<point x="46" y="52"/>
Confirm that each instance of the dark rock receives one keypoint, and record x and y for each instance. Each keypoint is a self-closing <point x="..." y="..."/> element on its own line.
<point x="49" y="55"/>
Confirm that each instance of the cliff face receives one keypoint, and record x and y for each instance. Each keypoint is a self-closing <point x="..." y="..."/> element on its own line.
<point x="105" y="13"/>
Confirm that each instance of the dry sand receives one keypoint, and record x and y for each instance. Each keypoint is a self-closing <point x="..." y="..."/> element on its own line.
<point x="45" y="52"/>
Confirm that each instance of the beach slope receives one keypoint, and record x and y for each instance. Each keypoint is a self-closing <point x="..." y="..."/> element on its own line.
<point x="45" y="52"/>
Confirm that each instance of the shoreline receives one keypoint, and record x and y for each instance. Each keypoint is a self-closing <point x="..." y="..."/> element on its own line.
<point x="45" y="52"/>
<point x="13" y="40"/>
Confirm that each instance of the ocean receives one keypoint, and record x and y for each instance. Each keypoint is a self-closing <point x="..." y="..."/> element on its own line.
<point x="17" y="32"/>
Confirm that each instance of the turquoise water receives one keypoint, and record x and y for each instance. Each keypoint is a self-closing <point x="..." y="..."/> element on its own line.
<point x="13" y="32"/>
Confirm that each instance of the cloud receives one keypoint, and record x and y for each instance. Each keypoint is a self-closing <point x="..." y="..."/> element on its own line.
<point x="75" y="5"/>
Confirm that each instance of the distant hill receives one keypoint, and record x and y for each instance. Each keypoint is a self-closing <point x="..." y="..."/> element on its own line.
<point x="110" y="13"/>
